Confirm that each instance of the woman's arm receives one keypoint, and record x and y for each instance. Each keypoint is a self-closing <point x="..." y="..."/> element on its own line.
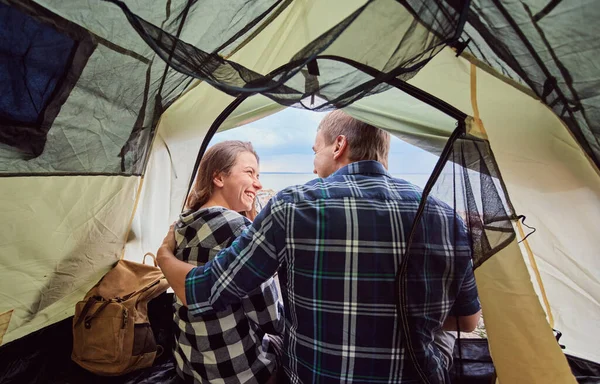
<point x="174" y="269"/>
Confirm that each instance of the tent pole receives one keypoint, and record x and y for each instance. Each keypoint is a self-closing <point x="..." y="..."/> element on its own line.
<point x="391" y="79"/>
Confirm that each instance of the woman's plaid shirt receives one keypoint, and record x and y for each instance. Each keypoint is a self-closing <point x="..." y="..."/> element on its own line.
<point x="230" y="346"/>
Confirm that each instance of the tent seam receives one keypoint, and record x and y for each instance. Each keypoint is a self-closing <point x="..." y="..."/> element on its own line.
<point x="135" y="205"/>
<point x="536" y="271"/>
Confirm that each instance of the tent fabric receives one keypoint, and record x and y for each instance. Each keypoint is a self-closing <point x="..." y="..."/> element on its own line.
<point x="419" y="124"/>
<point x="60" y="235"/>
<point x="78" y="188"/>
<point x="396" y="40"/>
<point x="470" y="183"/>
<point x="523" y="27"/>
<point x="4" y="321"/>
<point x="183" y="125"/>
<point x="96" y="109"/>
<point x="544" y="173"/>
<point x="126" y="117"/>
<point x="93" y="98"/>
<point x="552" y="48"/>
<point x="172" y="160"/>
<point x="521" y="341"/>
<point x="549" y="180"/>
<point x="35" y="86"/>
<point x="553" y="365"/>
<point x="466" y="178"/>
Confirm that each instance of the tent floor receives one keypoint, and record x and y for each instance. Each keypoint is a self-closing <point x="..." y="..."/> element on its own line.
<point x="45" y="357"/>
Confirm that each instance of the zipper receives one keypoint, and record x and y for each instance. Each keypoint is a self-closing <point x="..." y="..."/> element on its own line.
<point x="124" y="317"/>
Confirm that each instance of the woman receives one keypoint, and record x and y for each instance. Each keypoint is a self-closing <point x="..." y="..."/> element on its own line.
<point x="234" y="345"/>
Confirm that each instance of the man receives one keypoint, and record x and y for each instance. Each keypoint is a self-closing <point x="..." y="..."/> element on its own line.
<point x="337" y="243"/>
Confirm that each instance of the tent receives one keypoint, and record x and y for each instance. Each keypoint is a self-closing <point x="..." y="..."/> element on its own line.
<point x="106" y="106"/>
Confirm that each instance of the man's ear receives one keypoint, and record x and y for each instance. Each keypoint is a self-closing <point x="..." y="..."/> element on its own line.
<point x="218" y="180"/>
<point x="341" y="144"/>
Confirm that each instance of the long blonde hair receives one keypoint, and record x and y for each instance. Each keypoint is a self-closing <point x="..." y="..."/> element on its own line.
<point x="219" y="158"/>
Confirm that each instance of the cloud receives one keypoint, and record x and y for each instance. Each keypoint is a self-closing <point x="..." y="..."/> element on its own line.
<point x="259" y="134"/>
<point x="406" y="158"/>
<point x="284" y="131"/>
<point x="284" y="140"/>
<point x="294" y="162"/>
<point x="399" y="163"/>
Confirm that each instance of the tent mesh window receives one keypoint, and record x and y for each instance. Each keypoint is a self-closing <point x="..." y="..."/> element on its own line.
<point x="42" y="56"/>
<point x="466" y="181"/>
<point x="86" y="102"/>
<point x="527" y="41"/>
<point x="396" y="40"/>
<point x="89" y="92"/>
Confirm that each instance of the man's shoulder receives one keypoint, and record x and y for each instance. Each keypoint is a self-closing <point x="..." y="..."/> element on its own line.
<point x="307" y="191"/>
<point x="350" y="186"/>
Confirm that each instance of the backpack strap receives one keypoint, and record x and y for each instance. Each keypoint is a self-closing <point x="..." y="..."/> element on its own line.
<point x="88" y="304"/>
<point x="147" y="287"/>
<point x="92" y="300"/>
<point x="88" y="319"/>
<point x="151" y="256"/>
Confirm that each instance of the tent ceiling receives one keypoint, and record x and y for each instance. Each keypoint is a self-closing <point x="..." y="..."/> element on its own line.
<point x="381" y="36"/>
<point x="552" y="47"/>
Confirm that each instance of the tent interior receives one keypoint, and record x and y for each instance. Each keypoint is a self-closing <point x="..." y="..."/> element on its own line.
<point x="108" y="106"/>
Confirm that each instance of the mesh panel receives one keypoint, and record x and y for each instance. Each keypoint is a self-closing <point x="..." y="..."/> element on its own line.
<point x="218" y="27"/>
<point x="100" y="105"/>
<point x="550" y="46"/>
<point x="465" y="181"/>
<point x="471" y="185"/>
<point x="39" y="66"/>
<point x="112" y="93"/>
<point x="85" y="94"/>
<point x="381" y="40"/>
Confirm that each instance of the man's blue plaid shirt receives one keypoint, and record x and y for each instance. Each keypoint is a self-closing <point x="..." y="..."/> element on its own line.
<point x="337" y="244"/>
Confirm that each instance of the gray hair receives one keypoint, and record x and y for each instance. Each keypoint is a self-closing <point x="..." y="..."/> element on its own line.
<point x="365" y="142"/>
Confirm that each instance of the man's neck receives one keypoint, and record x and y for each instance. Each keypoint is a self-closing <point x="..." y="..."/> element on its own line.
<point x="342" y="163"/>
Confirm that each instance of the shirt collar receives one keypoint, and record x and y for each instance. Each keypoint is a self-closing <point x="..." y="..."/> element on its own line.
<point x="361" y="168"/>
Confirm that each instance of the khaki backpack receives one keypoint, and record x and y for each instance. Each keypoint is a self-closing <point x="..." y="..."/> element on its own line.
<point x="111" y="331"/>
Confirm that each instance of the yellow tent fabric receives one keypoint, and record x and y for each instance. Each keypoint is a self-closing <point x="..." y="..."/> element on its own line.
<point x="549" y="180"/>
<point x="63" y="235"/>
<point x="183" y="125"/>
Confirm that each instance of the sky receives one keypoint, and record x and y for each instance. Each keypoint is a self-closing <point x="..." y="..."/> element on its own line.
<point x="284" y="142"/>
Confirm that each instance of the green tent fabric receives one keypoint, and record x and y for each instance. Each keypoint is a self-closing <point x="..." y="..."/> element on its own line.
<point x="107" y="106"/>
